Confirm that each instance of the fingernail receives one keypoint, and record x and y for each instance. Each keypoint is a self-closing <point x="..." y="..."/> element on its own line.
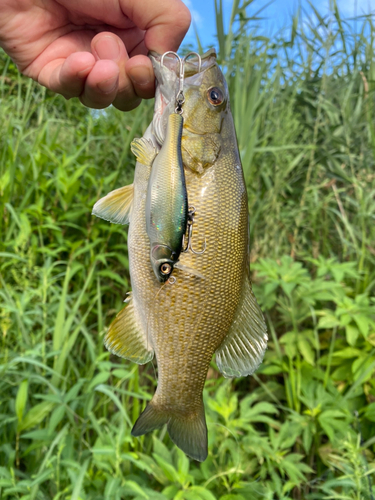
<point x="107" y="47"/>
<point x="108" y="85"/>
<point x="140" y="76"/>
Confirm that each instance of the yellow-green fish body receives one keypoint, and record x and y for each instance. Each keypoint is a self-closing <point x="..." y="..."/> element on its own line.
<point x="184" y="323"/>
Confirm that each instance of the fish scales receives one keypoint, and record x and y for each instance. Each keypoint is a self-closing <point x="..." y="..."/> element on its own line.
<point x="179" y="337"/>
<point x="212" y="309"/>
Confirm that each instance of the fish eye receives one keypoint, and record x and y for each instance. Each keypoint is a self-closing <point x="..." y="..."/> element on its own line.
<point x="215" y="96"/>
<point x="165" y="268"/>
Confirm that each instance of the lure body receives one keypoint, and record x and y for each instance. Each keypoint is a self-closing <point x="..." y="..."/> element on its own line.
<point x="166" y="202"/>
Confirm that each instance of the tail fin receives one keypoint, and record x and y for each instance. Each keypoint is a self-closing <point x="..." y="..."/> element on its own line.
<point x="150" y="419"/>
<point x="188" y="431"/>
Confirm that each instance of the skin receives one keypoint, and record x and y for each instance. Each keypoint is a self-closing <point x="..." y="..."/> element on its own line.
<point x="92" y="49"/>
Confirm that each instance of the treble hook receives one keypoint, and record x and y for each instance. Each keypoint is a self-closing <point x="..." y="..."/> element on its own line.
<point x="190" y="223"/>
<point x="199" y="59"/>
<point x="180" y="98"/>
<point x="169" y="52"/>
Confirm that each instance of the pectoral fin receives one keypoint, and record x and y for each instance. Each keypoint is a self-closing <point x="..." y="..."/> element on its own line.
<point x="242" y="350"/>
<point x="144" y="151"/>
<point x="126" y="337"/>
<point x="117" y="206"/>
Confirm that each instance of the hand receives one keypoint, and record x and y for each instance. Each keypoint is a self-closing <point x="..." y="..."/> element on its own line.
<point x="92" y="49"/>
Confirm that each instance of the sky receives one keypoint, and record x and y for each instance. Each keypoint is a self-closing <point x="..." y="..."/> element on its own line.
<point x="276" y="15"/>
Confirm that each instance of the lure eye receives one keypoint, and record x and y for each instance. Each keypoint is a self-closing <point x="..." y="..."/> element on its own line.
<point x="215" y="96"/>
<point x="165" y="268"/>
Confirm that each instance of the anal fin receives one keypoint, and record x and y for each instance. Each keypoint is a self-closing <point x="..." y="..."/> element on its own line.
<point x="126" y="337"/>
<point x="116" y="207"/>
<point x="242" y="350"/>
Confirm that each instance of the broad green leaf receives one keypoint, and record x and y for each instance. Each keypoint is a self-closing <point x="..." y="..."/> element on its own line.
<point x="21" y="399"/>
<point x="203" y="493"/>
<point x="36" y="415"/>
<point x="352" y="333"/>
<point x="167" y="468"/>
<point x="56" y="417"/>
<point x="363" y="323"/>
<point x="328" y="321"/>
<point x="306" y="350"/>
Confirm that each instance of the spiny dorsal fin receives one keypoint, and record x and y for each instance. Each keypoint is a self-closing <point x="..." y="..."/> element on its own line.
<point x="242" y="350"/>
<point x="144" y="151"/>
<point x="126" y="337"/>
<point x="117" y="206"/>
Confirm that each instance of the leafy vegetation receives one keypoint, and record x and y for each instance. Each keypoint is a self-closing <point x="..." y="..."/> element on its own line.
<point x="303" y="426"/>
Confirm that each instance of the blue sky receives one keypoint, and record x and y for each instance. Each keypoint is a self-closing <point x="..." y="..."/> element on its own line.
<point x="276" y="15"/>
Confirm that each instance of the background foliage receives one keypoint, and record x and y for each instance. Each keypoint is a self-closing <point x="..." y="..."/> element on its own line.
<point x="304" y="425"/>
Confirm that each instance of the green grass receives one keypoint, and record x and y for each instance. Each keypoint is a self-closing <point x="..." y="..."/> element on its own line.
<point x="303" y="427"/>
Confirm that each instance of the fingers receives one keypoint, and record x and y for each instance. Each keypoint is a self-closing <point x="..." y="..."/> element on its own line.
<point x="166" y="22"/>
<point x="70" y="80"/>
<point x="108" y="47"/>
<point x="105" y="76"/>
<point x="140" y="71"/>
<point x="101" y="85"/>
<point x="101" y="73"/>
<point x="80" y="75"/>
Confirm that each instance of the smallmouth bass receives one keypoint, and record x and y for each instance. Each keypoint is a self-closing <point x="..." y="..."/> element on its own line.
<point x="185" y="321"/>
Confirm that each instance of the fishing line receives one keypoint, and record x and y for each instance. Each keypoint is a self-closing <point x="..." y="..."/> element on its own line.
<point x="171" y="281"/>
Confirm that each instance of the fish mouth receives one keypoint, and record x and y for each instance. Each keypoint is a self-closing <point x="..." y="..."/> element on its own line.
<point x="167" y="77"/>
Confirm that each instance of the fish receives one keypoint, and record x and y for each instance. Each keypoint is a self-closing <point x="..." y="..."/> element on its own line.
<point x="166" y="202"/>
<point x="185" y="320"/>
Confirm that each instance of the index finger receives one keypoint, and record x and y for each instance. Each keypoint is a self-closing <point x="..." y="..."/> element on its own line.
<point x="165" y="22"/>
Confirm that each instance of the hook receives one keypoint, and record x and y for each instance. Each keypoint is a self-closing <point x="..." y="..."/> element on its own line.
<point x="190" y="235"/>
<point x="169" y="52"/>
<point x="180" y="99"/>
<point x="199" y="59"/>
